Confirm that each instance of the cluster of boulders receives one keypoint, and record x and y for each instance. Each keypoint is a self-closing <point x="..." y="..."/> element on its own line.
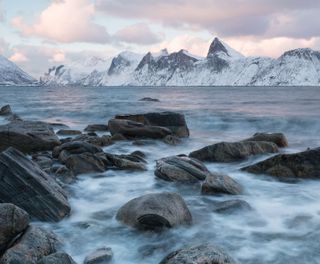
<point x="35" y="162"/>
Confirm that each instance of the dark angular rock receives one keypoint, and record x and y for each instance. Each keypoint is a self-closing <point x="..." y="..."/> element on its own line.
<point x="5" y="110"/>
<point x="175" y="122"/>
<point x="33" y="245"/>
<point x="277" y="138"/>
<point x="155" y="211"/>
<point x="302" y="165"/>
<point x="233" y="151"/>
<point x="132" y="129"/>
<point x="96" y="127"/>
<point x="68" y="132"/>
<point x="24" y="184"/>
<point x="125" y="162"/>
<point x="57" y="258"/>
<point x="181" y="169"/>
<point x="220" y="184"/>
<point x="84" y="163"/>
<point x="100" y="256"/>
<point x="202" y="254"/>
<point x="75" y="147"/>
<point x="232" y="206"/>
<point x="28" y="136"/>
<point x="102" y="141"/>
<point x="172" y="140"/>
<point x="13" y="221"/>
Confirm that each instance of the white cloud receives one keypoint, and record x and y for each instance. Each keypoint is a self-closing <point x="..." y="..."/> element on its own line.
<point x="18" y="57"/>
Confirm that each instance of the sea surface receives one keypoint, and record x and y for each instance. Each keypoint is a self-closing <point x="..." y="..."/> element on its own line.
<point x="284" y="226"/>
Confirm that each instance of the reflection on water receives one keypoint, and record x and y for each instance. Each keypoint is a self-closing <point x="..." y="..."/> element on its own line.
<point x="285" y="224"/>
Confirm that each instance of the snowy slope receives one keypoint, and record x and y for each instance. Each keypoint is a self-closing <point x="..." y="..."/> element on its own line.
<point x="222" y="66"/>
<point x="11" y="74"/>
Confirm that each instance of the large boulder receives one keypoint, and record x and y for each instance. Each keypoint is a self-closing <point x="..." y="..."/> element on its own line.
<point x="175" y="122"/>
<point x="233" y="151"/>
<point x="180" y="169"/>
<point x="277" y="138"/>
<point x="28" y="136"/>
<point x="216" y="183"/>
<point x="13" y="221"/>
<point x="5" y="110"/>
<point x="24" y="184"/>
<point x="57" y="258"/>
<point x="302" y="165"/>
<point x="132" y="129"/>
<point x="202" y="254"/>
<point x="34" y="244"/>
<point x="155" y="211"/>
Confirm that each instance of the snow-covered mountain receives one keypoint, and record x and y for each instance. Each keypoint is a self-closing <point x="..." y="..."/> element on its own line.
<point x="11" y="74"/>
<point x="222" y="66"/>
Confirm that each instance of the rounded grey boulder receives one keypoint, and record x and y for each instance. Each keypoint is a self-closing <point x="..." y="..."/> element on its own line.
<point x="202" y="254"/>
<point x="155" y="211"/>
<point x="99" y="256"/>
<point x="57" y="258"/>
<point x="220" y="184"/>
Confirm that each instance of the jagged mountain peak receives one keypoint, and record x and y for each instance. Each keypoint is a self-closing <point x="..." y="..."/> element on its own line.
<point x="218" y="47"/>
<point x="301" y="53"/>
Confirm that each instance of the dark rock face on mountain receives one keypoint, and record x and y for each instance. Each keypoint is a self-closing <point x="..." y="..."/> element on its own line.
<point x="155" y="211"/>
<point x="24" y="184"/>
<point x="216" y="47"/>
<point x="13" y="221"/>
<point x="233" y="151"/>
<point x="118" y="64"/>
<point x="28" y="136"/>
<point x="181" y="169"/>
<point x="303" y="165"/>
<point x="176" y="122"/>
<point x="201" y="254"/>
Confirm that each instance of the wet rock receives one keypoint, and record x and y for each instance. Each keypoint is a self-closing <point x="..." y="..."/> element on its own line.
<point x="172" y="140"/>
<point x="149" y="99"/>
<point x="131" y="129"/>
<point x="100" y="256"/>
<point x="302" y="165"/>
<point x="96" y="127"/>
<point x="24" y="184"/>
<point x="68" y="132"/>
<point x="175" y="122"/>
<point x="126" y="162"/>
<point x="13" y="221"/>
<point x="84" y="163"/>
<point x="180" y="169"/>
<point x="75" y="147"/>
<point x="43" y="160"/>
<point x="233" y="151"/>
<point x="277" y="138"/>
<point x="232" y="206"/>
<point x="33" y="245"/>
<point x="220" y="184"/>
<point x="202" y="254"/>
<point x="62" y="173"/>
<point x="102" y="141"/>
<point x="155" y="211"/>
<point x="28" y="136"/>
<point x="118" y="137"/>
<point x="57" y="258"/>
<point x="5" y="110"/>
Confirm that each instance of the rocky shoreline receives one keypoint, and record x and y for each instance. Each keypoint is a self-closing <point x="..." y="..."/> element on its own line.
<point x="37" y="163"/>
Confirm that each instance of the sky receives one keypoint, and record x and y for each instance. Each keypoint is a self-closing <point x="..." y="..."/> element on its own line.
<point x="37" y="34"/>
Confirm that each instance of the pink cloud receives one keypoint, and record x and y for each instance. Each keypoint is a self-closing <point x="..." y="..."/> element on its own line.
<point x="18" y="57"/>
<point x="65" y="21"/>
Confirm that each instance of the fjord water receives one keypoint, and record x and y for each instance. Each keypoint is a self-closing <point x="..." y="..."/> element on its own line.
<point x="284" y="226"/>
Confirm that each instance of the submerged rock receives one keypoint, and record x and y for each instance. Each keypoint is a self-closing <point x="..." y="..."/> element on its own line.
<point x="180" y="169"/>
<point x="5" y="110"/>
<point x="172" y="140"/>
<point x="202" y="254"/>
<point x="149" y="99"/>
<point x="233" y="151"/>
<point x="219" y="183"/>
<point x="277" y="138"/>
<point x="132" y="129"/>
<point x="231" y="207"/>
<point x="57" y="258"/>
<point x="96" y="127"/>
<point x="155" y="211"/>
<point x="24" y="184"/>
<point x="33" y="245"/>
<point x="28" y="136"/>
<point x="13" y="221"/>
<point x="302" y="165"/>
<point x="99" y="256"/>
<point x="175" y="122"/>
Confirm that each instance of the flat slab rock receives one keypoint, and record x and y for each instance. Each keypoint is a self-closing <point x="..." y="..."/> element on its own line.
<point x="24" y="184"/>
<point x="233" y="151"/>
<point x="13" y="221"/>
<point x="181" y="169"/>
<point x="175" y="122"/>
<point x="302" y="165"/>
<point x="155" y="211"/>
<point x="28" y="136"/>
<point x="33" y="245"/>
<point x="201" y="254"/>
